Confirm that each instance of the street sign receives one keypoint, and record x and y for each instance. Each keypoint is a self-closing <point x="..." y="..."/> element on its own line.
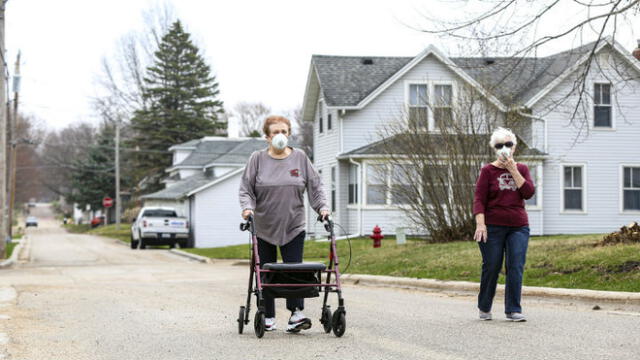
<point x="107" y="202"/>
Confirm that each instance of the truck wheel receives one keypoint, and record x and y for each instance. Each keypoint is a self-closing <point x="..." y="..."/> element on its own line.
<point x="142" y="244"/>
<point x="190" y="243"/>
<point x="134" y="243"/>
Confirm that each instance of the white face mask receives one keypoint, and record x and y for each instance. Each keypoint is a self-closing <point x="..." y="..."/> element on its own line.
<point x="505" y="152"/>
<point x="279" y="141"/>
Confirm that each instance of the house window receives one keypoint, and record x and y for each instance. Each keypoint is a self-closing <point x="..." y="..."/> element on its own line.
<point x="333" y="189"/>
<point x="573" y="188"/>
<point x="418" y="106"/>
<point x="353" y="184"/>
<point x="631" y="188"/>
<point x="533" y="201"/>
<point x="376" y="184"/>
<point x="320" y="120"/>
<point x="328" y="122"/>
<point x="442" y="107"/>
<point x="602" y="105"/>
<point x="401" y="176"/>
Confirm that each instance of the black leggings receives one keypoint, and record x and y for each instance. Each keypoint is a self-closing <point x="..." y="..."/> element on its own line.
<point x="290" y="252"/>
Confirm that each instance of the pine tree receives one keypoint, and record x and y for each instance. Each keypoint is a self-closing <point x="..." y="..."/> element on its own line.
<point x="93" y="176"/>
<point x="182" y="104"/>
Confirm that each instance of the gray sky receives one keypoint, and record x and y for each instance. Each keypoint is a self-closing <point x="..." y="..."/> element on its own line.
<point x="259" y="50"/>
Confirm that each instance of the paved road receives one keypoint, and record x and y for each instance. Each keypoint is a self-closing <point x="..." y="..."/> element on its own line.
<point x="85" y="297"/>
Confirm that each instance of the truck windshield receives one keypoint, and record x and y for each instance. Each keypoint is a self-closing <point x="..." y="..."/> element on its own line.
<point x="159" y="213"/>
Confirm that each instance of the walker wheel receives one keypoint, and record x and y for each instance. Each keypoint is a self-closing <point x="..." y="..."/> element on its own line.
<point x="258" y="324"/>
<point x="339" y="323"/>
<point x="241" y="320"/>
<point x="325" y="320"/>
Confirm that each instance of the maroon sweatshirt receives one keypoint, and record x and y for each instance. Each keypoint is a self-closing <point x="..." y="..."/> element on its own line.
<point x="498" y="197"/>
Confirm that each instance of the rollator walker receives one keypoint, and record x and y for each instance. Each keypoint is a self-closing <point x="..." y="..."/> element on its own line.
<point x="293" y="280"/>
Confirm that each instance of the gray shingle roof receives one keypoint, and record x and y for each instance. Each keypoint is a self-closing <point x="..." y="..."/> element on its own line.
<point x="346" y="80"/>
<point x="240" y="153"/>
<point x="399" y="142"/>
<point x="181" y="188"/>
<point x="208" y="151"/>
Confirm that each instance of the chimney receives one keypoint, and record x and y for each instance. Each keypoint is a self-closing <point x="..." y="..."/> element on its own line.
<point x="636" y="52"/>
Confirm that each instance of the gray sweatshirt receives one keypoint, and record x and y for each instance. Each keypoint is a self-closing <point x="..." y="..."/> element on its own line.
<point x="274" y="190"/>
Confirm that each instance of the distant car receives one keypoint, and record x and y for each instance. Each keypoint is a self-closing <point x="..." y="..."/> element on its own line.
<point x="31" y="204"/>
<point x="97" y="221"/>
<point x="31" y="221"/>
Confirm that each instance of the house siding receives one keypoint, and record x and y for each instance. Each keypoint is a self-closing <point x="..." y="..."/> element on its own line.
<point x="362" y="127"/>
<point x="601" y="151"/>
<point x="217" y="215"/>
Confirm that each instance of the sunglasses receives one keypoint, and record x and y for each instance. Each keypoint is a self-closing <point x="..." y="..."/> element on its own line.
<point x="508" y="144"/>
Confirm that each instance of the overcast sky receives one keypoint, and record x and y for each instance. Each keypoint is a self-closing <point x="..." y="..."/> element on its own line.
<point x="259" y="50"/>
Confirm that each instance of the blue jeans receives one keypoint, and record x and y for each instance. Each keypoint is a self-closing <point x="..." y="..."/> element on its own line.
<point x="500" y="240"/>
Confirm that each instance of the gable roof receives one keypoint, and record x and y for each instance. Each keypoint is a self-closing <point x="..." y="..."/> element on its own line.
<point x="346" y="82"/>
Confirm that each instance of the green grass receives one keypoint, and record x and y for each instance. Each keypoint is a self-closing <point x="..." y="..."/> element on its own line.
<point x="10" y="247"/>
<point x="567" y="261"/>
<point x="123" y="234"/>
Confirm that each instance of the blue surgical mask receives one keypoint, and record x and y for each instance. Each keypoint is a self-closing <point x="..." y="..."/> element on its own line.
<point x="279" y="141"/>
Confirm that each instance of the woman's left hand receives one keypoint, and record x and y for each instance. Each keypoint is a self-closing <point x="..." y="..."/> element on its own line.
<point x="324" y="214"/>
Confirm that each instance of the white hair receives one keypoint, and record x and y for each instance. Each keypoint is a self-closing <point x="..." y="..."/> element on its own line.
<point x="502" y="134"/>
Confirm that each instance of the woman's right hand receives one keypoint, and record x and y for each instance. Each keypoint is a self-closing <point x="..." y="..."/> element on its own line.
<point x="246" y="213"/>
<point x="481" y="233"/>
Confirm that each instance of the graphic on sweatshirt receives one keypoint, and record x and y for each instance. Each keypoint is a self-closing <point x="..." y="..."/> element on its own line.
<point x="506" y="182"/>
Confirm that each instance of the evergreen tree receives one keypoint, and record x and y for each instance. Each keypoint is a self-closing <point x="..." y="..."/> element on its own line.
<point x="93" y="175"/>
<point x="182" y="104"/>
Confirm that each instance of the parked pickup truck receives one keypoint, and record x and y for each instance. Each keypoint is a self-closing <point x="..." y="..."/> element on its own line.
<point x="160" y="226"/>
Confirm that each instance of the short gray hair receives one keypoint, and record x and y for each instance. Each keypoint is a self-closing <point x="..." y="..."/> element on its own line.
<point x="501" y="134"/>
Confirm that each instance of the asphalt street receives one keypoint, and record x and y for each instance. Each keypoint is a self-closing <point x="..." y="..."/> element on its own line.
<point x="86" y="297"/>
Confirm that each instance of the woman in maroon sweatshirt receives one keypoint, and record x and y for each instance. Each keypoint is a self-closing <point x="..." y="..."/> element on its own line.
<point x="502" y="225"/>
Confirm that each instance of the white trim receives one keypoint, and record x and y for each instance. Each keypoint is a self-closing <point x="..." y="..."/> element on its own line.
<point x="621" y="189"/>
<point x="430" y="50"/>
<point x="584" y="188"/>
<point x="215" y="181"/>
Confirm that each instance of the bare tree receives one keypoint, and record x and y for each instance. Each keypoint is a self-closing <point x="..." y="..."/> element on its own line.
<point x="303" y="132"/>
<point x="60" y="150"/>
<point x="433" y="153"/>
<point x="250" y="116"/>
<point x="519" y="29"/>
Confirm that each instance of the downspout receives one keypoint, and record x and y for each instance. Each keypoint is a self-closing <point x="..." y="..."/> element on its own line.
<point x="359" y="177"/>
<point x="545" y="149"/>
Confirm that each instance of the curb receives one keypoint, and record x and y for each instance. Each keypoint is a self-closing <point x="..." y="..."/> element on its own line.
<point x="431" y="284"/>
<point x="202" y="259"/>
<point x="14" y="255"/>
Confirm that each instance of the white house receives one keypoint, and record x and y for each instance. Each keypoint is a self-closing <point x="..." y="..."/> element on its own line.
<point x="588" y="179"/>
<point x="202" y="185"/>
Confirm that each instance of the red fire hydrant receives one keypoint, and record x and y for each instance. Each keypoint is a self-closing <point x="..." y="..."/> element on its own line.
<point x="377" y="236"/>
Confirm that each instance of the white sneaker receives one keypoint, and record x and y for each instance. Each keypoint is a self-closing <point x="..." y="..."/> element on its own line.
<point x="270" y="324"/>
<point x="517" y="317"/>
<point x="485" y="315"/>
<point x="298" y="322"/>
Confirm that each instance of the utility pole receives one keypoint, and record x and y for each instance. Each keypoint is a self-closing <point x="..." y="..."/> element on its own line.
<point x="118" y="207"/>
<point x="3" y="138"/>
<point x="14" y="144"/>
